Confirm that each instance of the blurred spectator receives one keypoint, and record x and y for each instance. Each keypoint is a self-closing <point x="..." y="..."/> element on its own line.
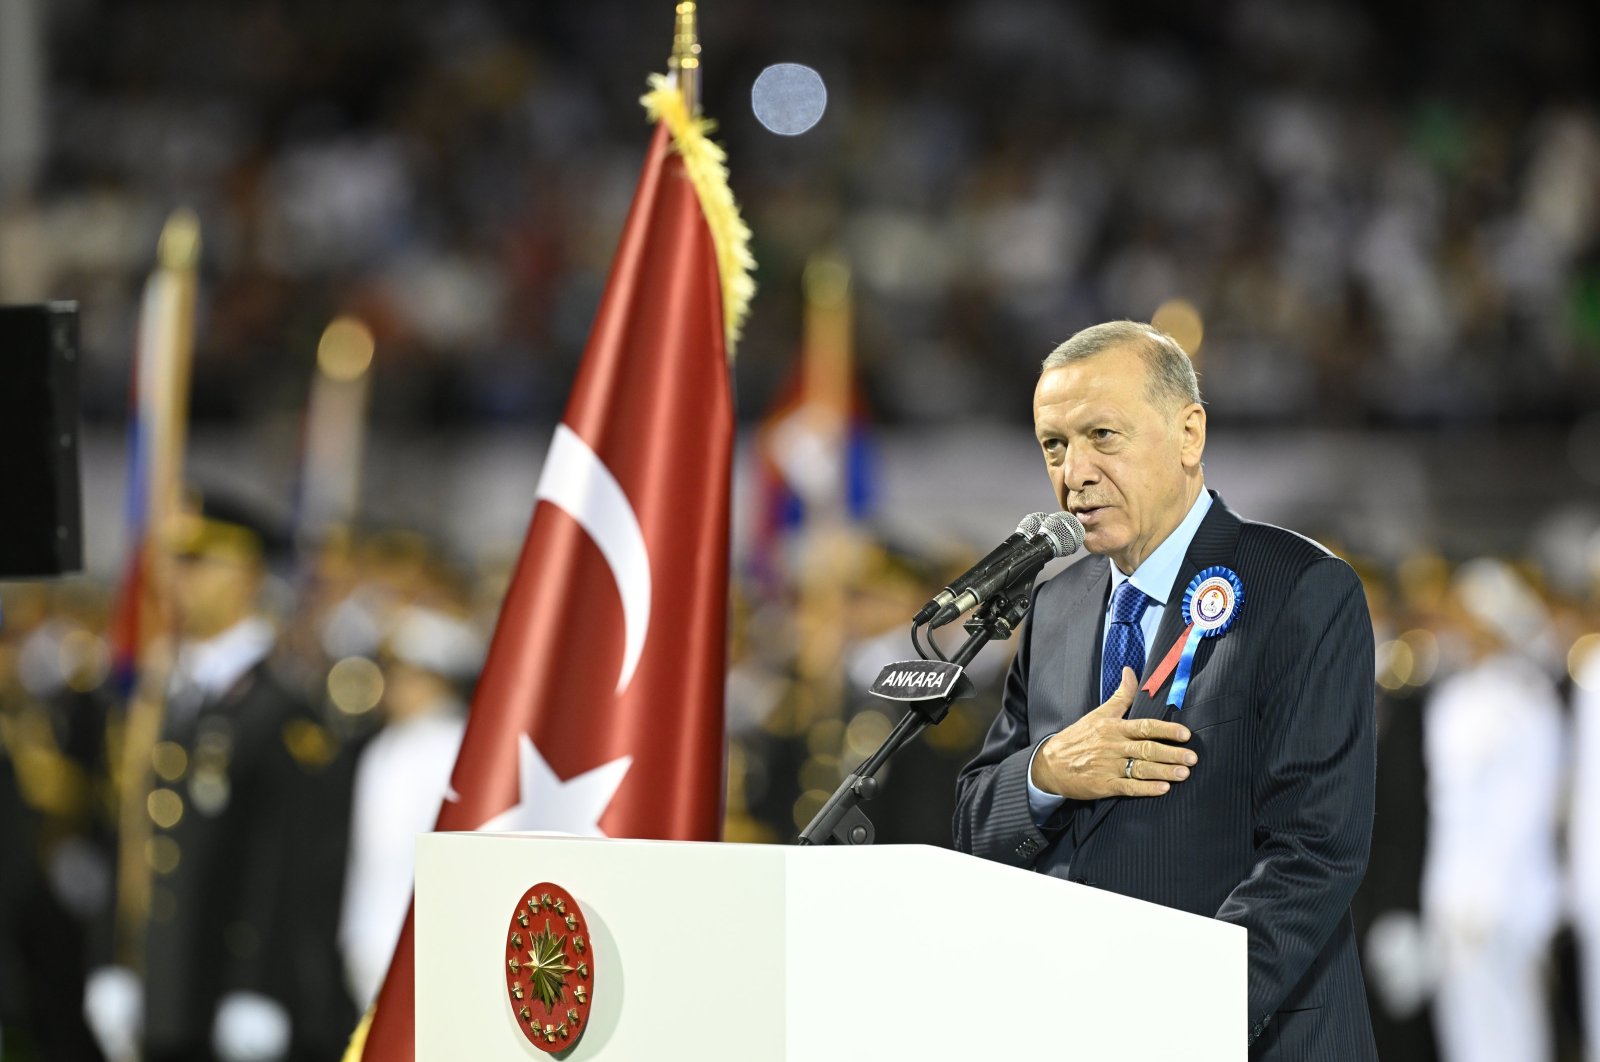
<point x="54" y="857"/>
<point x="1491" y="887"/>
<point x="1584" y="845"/>
<point x="401" y="777"/>
<point x="1395" y="955"/>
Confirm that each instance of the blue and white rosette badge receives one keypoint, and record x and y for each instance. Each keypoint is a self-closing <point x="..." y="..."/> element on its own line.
<point x="1210" y="605"/>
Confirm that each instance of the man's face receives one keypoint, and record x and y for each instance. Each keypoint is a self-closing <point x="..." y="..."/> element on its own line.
<point x="1126" y="465"/>
<point x="212" y="593"/>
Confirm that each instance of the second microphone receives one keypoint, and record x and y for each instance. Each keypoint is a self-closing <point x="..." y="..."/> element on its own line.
<point x="1020" y="557"/>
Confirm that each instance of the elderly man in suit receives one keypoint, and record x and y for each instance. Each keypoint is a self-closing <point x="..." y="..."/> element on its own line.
<point x="1191" y="722"/>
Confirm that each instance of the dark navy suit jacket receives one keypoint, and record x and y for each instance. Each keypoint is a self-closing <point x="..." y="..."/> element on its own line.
<point x="1272" y="828"/>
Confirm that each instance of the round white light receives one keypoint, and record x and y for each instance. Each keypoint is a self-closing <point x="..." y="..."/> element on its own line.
<point x="789" y="98"/>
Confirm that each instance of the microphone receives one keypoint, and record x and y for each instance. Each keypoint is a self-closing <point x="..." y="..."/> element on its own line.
<point x="1029" y="527"/>
<point x="1059" y="535"/>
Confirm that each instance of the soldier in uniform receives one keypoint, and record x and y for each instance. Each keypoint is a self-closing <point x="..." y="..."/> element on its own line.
<point x="234" y="745"/>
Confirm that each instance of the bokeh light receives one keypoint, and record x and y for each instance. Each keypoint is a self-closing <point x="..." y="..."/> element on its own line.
<point x="1424" y="649"/>
<point x="807" y="806"/>
<point x="163" y="854"/>
<point x="1580" y="661"/>
<point x="170" y="760"/>
<point x="1181" y="320"/>
<point x="1396" y="663"/>
<point x="788" y="98"/>
<point x="165" y="807"/>
<point x="866" y="732"/>
<point x="355" y="685"/>
<point x="345" y="351"/>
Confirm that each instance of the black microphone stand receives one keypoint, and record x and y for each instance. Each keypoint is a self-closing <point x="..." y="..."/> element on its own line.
<point x="841" y="820"/>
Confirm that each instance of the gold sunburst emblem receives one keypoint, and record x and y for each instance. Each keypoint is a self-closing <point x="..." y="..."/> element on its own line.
<point x="549" y="966"/>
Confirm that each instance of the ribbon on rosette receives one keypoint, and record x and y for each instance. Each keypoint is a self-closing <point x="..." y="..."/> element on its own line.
<point x="1210" y="605"/>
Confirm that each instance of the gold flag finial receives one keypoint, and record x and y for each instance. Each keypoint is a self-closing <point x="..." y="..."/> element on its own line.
<point x="179" y="247"/>
<point x="685" y="61"/>
<point x="345" y="351"/>
<point x="826" y="280"/>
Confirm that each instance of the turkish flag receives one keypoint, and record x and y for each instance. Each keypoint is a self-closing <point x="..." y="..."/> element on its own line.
<point x="600" y="706"/>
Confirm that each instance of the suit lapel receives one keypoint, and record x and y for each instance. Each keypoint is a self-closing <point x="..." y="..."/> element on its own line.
<point x="1213" y="544"/>
<point x="1079" y="642"/>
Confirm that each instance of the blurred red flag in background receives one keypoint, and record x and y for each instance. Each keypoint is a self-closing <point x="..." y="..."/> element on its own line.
<point x="600" y="706"/>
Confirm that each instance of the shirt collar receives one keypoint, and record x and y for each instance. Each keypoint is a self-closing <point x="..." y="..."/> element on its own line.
<point x="1160" y="570"/>
<point x="215" y="664"/>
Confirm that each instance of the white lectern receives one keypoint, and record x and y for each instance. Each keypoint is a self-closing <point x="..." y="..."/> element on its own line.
<point x="759" y="953"/>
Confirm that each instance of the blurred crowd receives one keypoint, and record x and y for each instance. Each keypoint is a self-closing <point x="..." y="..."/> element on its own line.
<point x="207" y="846"/>
<point x="260" y="876"/>
<point x="1478" y="937"/>
<point x="1372" y="211"/>
<point x="1355" y="215"/>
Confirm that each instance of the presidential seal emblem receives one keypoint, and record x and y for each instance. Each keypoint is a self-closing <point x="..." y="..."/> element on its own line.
<point x="549" y="967"/>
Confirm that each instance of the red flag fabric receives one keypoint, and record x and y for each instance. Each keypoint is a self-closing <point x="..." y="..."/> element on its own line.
<point x="600" y="706"/>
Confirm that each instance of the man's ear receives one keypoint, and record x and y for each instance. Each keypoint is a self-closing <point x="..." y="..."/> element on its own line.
<point x="1192" y="431"/>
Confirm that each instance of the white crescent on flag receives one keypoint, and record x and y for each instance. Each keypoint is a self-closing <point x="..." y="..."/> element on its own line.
<point x="575" y="480"/>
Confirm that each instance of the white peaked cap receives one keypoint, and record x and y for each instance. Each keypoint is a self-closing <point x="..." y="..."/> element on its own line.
<point x="436" y="641"/>
<point x="1501" y="599"/>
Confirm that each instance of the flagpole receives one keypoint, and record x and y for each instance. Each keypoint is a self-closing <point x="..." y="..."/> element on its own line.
<point x="829" y="554"/>
<point x="179" y="253"/>
<point x="165" y="353"/>
<point x="827" y="370"/>
<point x="685" y="61"/>
<point x="335" y="430"/>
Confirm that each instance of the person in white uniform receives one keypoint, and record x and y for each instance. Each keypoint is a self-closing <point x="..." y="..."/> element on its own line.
<point x="400" y="779"/>
<point x="1491" y="886"/>
<point x="1583" y="843"/>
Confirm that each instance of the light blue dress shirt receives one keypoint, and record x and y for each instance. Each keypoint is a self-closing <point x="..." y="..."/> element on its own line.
<point x="1154" y="578"/>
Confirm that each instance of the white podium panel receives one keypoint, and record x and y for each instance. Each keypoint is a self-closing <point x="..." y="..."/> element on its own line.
<point x="760" y="953"/>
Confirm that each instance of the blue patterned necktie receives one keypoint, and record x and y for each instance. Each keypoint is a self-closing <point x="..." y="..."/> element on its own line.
<point x="1124" y="639"/>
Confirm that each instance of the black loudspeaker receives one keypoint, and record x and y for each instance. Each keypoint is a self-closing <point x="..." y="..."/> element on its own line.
<point x="41" y="514"/>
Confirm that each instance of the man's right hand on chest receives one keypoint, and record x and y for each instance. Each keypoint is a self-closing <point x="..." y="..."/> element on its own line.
<point x="1105" y="754"/>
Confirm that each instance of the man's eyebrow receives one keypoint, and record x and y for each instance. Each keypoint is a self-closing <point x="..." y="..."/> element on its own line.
<point x="1083" y="420"/>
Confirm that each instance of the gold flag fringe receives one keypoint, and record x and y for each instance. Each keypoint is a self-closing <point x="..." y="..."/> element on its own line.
<point x="706" y="164"/>
<point x="358" y="1039"/>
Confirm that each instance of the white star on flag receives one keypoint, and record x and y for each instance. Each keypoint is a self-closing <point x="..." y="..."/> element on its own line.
<point x="548" y="804"/>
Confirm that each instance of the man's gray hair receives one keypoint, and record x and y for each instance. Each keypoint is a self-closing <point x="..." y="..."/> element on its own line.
<point x="1172" y="375"/>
